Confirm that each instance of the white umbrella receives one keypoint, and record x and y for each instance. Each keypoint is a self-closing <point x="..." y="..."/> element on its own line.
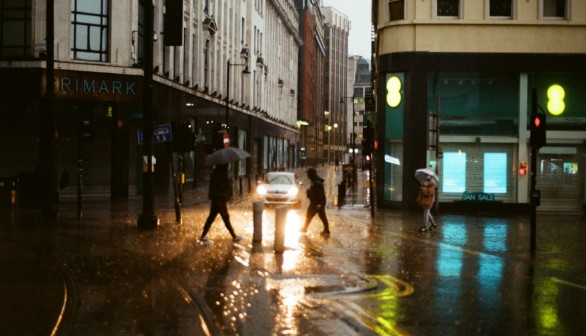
<point x="226" y="155"/>
<point x="423" y="173"/>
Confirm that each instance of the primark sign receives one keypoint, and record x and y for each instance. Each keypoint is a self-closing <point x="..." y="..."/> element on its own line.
<point x="97" y="86"/>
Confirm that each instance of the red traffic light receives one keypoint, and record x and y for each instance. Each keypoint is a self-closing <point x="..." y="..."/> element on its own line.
<point x="523" y="168"/>
<point x="538" y="127"/>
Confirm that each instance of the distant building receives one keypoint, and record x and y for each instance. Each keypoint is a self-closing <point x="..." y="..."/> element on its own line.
<point x="337" y="29"/>
<point x="312" y="63"/>
<point x="476" y="63"/>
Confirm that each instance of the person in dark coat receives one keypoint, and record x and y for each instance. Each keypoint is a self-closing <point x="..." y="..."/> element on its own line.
<point x="220" y="192"/>
<point x="425" y="200"/>
<point x="317" y="202"/>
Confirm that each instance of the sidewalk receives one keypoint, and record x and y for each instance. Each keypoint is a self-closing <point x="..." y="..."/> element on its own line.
<point x="474" y="275"/>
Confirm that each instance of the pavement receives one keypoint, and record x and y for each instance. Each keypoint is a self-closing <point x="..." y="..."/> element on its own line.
<point x="378" y="275"/>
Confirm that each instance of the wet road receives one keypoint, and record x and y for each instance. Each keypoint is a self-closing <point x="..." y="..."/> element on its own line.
<point x="472" y="276"/>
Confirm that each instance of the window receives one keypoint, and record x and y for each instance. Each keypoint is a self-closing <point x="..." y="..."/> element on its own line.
<point x="501" y="8"/>
<point x="396" y="10"/>
<point x="454" y="172"/>
<point x="15" y="28"/>
<point x="89" y="30"/>
<point x="495" y="173"/>
<point x="448" y="8"/>
<point x="554" y="8"/>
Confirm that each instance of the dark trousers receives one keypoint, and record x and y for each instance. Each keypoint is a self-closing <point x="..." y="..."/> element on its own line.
<point x="218" y="207"/>
<point x="320" y="210"/>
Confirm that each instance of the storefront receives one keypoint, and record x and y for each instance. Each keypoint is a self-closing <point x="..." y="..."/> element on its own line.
<point x="484" y="147"/>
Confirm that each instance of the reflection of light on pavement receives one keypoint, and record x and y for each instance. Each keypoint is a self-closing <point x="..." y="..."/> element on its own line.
<point x="291" y="292"/>
<point x="292" y="229"/>
<point x="547" y="292"/>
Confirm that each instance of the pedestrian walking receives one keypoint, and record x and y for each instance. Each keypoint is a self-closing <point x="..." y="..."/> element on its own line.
<point x="425" y="200"/>
<point x="220" y="192"/>
<point x="336" y="163"/>
<point x="317" y="202"/>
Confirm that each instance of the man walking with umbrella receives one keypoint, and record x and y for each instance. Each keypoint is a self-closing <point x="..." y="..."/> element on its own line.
<point x="219" y="193"/>
<point x="220" y="189"/>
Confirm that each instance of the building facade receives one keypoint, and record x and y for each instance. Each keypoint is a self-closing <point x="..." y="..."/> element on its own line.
<point x="312" y="60"/>
<point x="476" y="63"/>
<point x="230" y="66"/>
<point x="337" y="29"/>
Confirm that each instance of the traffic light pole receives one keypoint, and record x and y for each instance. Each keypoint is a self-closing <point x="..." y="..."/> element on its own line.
<point x="534" y="200"/>
<point x="148" y="220"/>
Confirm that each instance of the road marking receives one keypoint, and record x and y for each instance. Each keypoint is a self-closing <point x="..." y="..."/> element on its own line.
<point x="568" y="283"/>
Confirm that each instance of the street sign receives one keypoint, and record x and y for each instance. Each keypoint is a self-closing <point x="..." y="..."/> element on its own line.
<point x="161" y="133"/>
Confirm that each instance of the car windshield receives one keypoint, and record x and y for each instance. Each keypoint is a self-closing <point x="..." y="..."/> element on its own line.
<point x="280" y="179"/>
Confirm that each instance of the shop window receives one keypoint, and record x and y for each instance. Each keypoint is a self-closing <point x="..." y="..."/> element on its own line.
<point x="475" y="103"/>
<point x="500" y="8"/>
<point x="448" y="8"/>
<point x="554" y="9"/>
<point x="396" y="10"/>
<point x="495" y="173"/>
<point x="15" y="29"/>
<point x="454" y="172"/>
<point x="90" y="30"/>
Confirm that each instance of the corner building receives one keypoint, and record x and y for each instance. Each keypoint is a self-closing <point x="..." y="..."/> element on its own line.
<point x="476" y="63"/>
<point x="201" y="51"/>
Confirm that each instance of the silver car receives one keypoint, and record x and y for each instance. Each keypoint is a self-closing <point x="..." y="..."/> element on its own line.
<point x="280" y="188"/>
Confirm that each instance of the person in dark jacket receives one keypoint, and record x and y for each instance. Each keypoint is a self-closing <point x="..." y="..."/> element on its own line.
<point x="317" y="202"/>
<point x="220" y="192"/>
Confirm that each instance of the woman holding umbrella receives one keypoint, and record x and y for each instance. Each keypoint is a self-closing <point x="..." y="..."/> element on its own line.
<point x="426" y="197"/>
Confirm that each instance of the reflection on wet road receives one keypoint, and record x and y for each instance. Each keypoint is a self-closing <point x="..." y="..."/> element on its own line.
<point x="472" y="276"/>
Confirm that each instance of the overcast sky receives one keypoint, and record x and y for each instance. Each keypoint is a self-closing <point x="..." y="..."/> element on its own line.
<point x="359" y="13"/>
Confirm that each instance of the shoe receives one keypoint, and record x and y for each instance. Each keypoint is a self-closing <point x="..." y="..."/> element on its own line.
<point x="423" y="229"/>
<point x="324" y="234"/>
<point x="433" y="226"/>
<point x="237" y="239"/>
<point x="205" y="241"/>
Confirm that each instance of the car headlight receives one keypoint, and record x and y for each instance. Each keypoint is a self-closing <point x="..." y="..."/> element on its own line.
<point x="293" y="191"/>
<point x="261" y="190"/>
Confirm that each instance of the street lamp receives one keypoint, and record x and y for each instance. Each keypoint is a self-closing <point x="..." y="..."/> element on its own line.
<point x="352" y="135"/>
<point x="326" y="129"/>
<point x="244" y="54"/>
<point x="335" y="149"/>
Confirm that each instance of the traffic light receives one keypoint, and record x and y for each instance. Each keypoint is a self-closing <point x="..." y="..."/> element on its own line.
<point x="86" y="130"/>
<point x="523" y="168"/>
<point x="183" y="137"/>
<point x="537" y="126"/>
<point x="368" y="141"/>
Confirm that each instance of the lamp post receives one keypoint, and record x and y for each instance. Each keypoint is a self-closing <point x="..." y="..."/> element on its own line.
<point x="148" y="220"/>
<point x="243" y="53"/>
<point x="326" y="129"/>
<point x="352" y="135"/>
<point x="335" y="149"/>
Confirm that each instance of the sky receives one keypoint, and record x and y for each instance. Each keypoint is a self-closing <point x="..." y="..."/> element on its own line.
<point x="359" y="13"/>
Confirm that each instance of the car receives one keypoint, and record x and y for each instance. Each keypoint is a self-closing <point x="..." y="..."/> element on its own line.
<point x="280" y="188"/>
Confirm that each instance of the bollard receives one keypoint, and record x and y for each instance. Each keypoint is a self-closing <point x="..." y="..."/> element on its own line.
<point x="341" y="193"/>
<point x="257" y="208"/>
<point x="280" y="221"/>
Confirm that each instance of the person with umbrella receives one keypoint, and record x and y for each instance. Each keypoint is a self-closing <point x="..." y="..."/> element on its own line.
<point x="220" y="192"/>
<point x="426" y="197"/>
